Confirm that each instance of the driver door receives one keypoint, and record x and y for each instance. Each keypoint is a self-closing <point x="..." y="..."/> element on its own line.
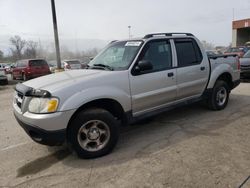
<point x="153" y="89"/>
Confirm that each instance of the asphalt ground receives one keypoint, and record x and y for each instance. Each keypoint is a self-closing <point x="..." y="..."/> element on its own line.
<point x="186" y="147"/>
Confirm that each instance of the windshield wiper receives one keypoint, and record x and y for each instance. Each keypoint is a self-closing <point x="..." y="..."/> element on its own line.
<point x="104" y="66"/>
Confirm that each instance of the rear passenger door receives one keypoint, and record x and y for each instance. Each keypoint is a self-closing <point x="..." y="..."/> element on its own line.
<point x="192" y="69"/>
<point x="153" y="89"/>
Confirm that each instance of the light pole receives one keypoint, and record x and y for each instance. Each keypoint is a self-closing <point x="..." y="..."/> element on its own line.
<point x="58" y="56"/>
<point x="129" y="31"/>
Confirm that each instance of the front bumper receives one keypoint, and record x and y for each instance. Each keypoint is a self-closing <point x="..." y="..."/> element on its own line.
<point x="3" y="77"/>
<point x="245" y="71"/>
<point x="3" y="80"/>
<point x="47" y="129"/>
<point x="236" y="83"/>
<point x="50" y="138"/>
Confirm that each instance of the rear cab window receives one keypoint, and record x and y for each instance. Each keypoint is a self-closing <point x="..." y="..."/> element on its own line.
<point x="188" y="52"/>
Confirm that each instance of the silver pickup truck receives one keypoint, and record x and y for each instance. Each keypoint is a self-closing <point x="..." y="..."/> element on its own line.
<point x="129" y="80"/>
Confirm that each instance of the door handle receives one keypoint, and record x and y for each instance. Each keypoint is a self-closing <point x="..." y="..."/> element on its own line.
<point x="170" y="74"/>
<point x="203" y="68"/>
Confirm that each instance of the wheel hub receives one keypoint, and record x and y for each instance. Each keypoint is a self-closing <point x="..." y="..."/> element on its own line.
<point x="221" y="96"/>
<point x="93" y="134"/>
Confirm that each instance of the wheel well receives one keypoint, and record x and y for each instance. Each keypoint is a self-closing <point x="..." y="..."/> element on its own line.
<point x="110" y="105"/>
<point x="227" y="78"/>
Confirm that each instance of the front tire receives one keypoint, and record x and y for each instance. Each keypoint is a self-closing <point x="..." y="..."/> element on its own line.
<point x="93" y="133"/>
<point x="219" y="97"/>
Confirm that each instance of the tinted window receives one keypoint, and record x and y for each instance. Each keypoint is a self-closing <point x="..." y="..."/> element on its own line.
<point x="35" y="63"/>
<point x="188" y="52"/>
<point x="159" y="54"/>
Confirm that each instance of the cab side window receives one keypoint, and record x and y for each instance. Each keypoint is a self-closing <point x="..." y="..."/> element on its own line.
<point x="188" y="52"/>
<point x="159" y="54"/>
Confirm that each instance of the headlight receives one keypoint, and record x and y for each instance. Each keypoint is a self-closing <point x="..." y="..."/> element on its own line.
<point x="43" y="105"/>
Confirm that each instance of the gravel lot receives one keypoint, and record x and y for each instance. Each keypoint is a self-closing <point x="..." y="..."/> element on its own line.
<point x="186" y="147"/>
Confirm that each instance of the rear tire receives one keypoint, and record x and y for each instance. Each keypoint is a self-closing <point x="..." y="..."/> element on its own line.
<point x="93" y="133"/>
<point x="219" y="97"/>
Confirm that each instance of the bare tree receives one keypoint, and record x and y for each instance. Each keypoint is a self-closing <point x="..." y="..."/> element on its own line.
<point x="18" y="45"/>
<point x="207" y="45"/>
<point x="31" y="49"/>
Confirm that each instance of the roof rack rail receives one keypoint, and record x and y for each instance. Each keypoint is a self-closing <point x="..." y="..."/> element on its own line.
<point x="113" y="41"/>
<point x="166" y="34"/>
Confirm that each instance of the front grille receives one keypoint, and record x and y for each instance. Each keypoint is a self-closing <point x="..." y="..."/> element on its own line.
<point x="19" y="99"/>
<point x="245" y="66"/>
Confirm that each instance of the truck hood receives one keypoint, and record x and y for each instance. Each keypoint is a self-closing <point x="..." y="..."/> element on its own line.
<point x="60" y="80"/>
<point x="244" y="61"/>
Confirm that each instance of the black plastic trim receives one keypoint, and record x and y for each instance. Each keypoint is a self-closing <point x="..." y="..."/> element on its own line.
<point x="166" y="34"/>
<point x="50" y="138"/>
<point x="131" y="119"/>
<point x="30" y="92"/>
<point x="236" y="83"/>
<point x="225" y="56"/>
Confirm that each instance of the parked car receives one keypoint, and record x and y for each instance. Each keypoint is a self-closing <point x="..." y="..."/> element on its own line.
<point x="245" y="65"/>
<point x="52" y="68"/>
<point x="240" y="51"/>
<point x="213" y="53"/>
<point x="128" y="81"/>
<point x="52" y="65"/>
<point x="30" y="68"/>
<point x="247" y="44"/>
<point x="71" y="64"/>
<point x="8" y="69"/>
<point x="3" y="77"/>
<point x="2" y="66"/>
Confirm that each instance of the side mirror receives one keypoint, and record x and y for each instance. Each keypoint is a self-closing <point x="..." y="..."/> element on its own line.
<point x="143" y="65"/>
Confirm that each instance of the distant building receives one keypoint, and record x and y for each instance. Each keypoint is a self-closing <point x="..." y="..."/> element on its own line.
<point x="241" y="32"/>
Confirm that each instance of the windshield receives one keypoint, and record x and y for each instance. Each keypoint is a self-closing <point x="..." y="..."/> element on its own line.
<point x="247" y="55"/>
<point x="117" y="56"/>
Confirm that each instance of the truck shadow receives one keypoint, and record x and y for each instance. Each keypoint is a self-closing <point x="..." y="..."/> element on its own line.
<point x="42" y="163"/>
<point x="151" y="137"/>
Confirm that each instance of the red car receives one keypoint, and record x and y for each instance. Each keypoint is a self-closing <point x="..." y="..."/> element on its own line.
<point x="30" y="68"/>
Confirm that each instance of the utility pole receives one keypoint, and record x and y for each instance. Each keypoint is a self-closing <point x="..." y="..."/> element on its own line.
<point x="233" y="13"/>
<point x="58" y="56"/>
<point x="129" y="31"/>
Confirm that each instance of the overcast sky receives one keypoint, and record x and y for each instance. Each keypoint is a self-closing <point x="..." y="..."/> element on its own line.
<point x="109" y="19"/>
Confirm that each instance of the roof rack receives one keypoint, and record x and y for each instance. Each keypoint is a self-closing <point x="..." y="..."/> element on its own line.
<point x="113" y="41"/>
<point x="166" y="34"/>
